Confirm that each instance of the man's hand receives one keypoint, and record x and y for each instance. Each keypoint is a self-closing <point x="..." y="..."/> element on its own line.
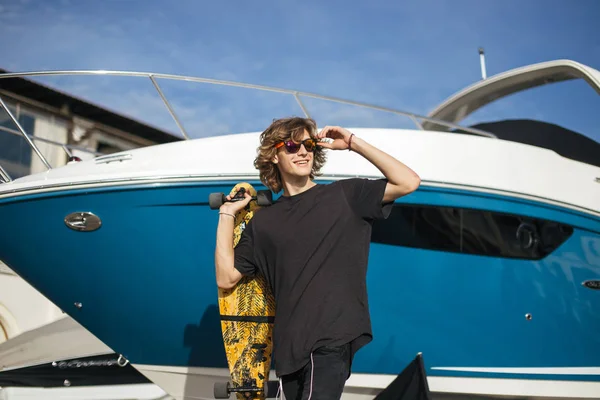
<point x="340" y="136"/>
<point x="401" y="179"/>
<point x="234" y="207"/>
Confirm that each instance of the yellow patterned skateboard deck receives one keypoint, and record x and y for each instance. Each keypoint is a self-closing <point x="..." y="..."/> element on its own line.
<point x="247" y="316"/>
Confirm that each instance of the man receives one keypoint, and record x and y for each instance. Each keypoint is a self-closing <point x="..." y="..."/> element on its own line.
<point x="312" y="246"/>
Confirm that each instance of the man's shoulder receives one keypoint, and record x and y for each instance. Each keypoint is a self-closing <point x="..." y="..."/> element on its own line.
<point x="339" y="183"/>
<point x="357" y="180"/>
<point x="347" y="183"/>
<point x="360" y="182"/>
<point x="264" y="213"/>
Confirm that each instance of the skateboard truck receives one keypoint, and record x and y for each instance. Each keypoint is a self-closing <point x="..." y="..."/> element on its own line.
<point x="222" y="390"/>
<point x="263" y="198"/>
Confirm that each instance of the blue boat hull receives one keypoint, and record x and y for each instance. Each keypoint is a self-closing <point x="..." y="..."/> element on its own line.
<point x="146" y="284"/>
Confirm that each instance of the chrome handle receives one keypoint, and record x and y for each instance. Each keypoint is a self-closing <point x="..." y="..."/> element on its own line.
<point x="83" y="221"/>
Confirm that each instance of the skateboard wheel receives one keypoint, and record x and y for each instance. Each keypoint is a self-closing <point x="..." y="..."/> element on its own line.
<point x="264" y="198"/>
<point x="221" y="390"/>
<point x="216" y="200"/>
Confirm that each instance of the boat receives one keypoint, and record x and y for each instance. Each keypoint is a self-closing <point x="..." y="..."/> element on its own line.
<point x="490" y="270"/>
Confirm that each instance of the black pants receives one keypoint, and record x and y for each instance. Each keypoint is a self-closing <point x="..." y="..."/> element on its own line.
<point x="323" y="378"/>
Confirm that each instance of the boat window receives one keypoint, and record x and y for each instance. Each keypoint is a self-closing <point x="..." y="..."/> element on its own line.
<point x="15" y="152"/>
<point x="470" y="231"/>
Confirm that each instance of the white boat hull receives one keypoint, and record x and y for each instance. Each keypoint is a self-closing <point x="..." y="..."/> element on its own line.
<point x="198" y="383"/>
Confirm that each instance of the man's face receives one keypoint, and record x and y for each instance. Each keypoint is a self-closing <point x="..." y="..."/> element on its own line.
<point x="295" y="164"/>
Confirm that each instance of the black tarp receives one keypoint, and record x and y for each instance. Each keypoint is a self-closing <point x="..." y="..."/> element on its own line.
<point x="410" y="384"/>
<point x="84" y="371"/>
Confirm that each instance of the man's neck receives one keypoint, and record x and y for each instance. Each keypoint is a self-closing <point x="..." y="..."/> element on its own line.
<point x="292" y="187"/>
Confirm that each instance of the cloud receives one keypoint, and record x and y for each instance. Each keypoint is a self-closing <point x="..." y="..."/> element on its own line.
<point x="67" y="38"/>
<point x="406" y="55"/>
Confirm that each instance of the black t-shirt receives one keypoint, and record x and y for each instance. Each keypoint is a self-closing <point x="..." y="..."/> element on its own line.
<point x="313" y="250"/>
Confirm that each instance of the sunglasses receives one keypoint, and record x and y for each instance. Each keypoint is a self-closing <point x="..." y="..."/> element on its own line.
<point x="293" y="147"/>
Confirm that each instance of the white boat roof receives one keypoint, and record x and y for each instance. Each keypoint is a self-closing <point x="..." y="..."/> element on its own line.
<point x="440" y="158"/>
<point x="465" y="102"/>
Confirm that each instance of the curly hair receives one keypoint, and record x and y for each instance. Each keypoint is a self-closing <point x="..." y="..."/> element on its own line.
<point x="281" y="130"/>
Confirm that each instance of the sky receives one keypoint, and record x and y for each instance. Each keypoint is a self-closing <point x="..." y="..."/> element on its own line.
<point x="406" y="55"/>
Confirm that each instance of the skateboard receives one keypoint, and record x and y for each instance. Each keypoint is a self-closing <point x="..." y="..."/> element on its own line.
<point x="247" y="313"/>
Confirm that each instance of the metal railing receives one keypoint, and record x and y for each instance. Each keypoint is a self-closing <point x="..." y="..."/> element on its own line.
<point x="415" y="118"/>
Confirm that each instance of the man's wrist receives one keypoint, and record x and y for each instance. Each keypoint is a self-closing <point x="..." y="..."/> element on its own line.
<point x="226" y="215"/>
<point x="355" y="144"/>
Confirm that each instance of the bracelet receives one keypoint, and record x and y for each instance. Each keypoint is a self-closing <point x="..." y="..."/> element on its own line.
<point x="350" y="143"/>
<point x="224" y="213"/>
